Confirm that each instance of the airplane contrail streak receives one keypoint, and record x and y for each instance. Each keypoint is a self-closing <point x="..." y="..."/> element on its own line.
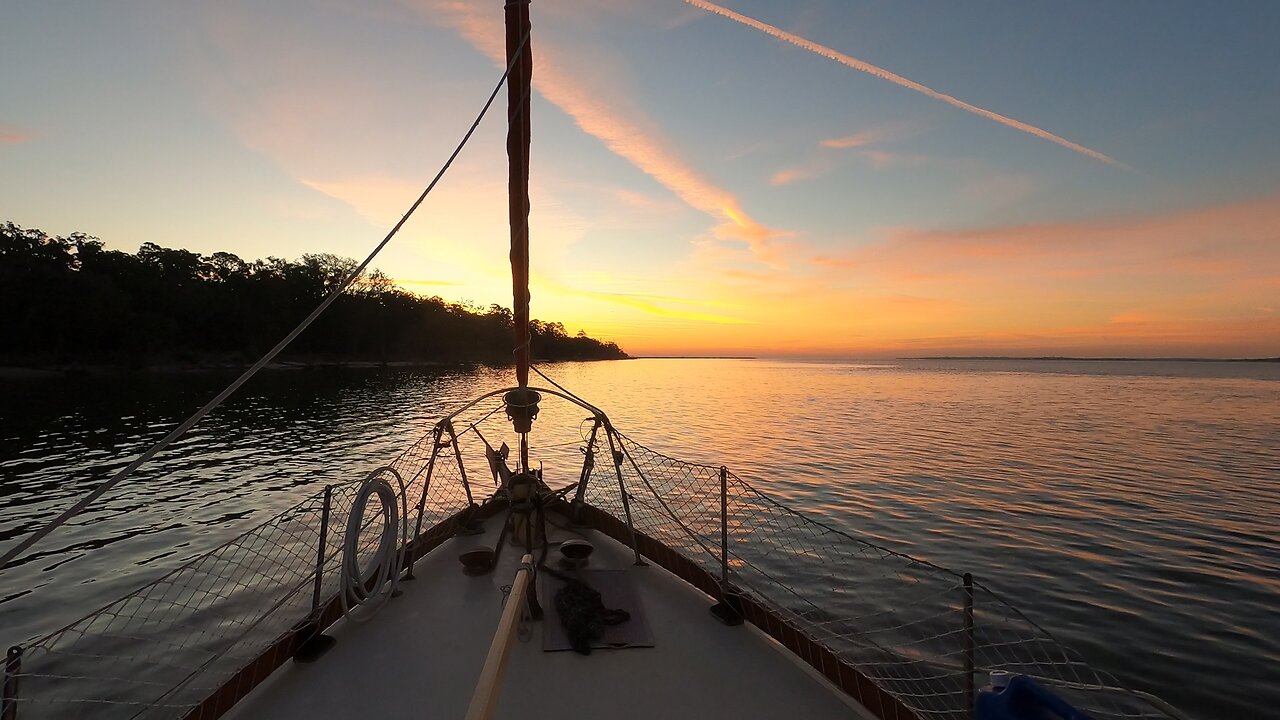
<point x="896" y="79"/>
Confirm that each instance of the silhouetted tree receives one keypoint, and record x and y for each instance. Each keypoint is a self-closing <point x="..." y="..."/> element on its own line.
<point x="72" y="300"/>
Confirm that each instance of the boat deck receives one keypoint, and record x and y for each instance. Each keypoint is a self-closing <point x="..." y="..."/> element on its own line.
<point x="422" y="654"/>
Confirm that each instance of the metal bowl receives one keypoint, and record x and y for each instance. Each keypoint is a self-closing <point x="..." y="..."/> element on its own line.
<point x="477" y="560"/>
<point x="574" y="553"/>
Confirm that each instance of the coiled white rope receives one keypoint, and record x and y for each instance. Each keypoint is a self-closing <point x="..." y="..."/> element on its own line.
<point x="365" y="590"/>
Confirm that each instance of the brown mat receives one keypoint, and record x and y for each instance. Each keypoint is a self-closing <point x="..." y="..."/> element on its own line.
<point x="618" y="593"/>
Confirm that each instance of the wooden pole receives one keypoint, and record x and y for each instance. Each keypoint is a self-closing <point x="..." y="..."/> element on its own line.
<point x="484" y="701"/>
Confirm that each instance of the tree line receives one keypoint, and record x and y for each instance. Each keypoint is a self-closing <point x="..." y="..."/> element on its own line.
<point x="71" y="300"/>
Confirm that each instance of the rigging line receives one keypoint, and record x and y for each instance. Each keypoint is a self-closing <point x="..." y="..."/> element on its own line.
<point x="558" y="386"/>
<point x="221" y="397"/>
<point x="473" y="425"/>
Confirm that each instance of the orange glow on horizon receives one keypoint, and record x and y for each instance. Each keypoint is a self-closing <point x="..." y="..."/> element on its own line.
<point x="1184" y="283"/>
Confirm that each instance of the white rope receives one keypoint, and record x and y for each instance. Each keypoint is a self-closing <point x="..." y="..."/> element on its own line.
<point x="221" y="397"/>
<point x="364" y="592"/>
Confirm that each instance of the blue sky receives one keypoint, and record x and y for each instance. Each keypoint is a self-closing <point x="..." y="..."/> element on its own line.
<point x="877" y="220"/>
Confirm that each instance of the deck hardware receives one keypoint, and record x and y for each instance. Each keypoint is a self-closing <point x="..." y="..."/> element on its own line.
<point x="422" y="500"/>
<point x="469" y="526"/>
<point x="622" y="488"/>
<point x="12" y="671"/>
<point x="522" y="408"/>
<point x="968" y="642"/>
<point x="312" y="642"/>
<point x="729" y="609"/>
<point x="724" y="526"/>
<point x="588" y="465"/>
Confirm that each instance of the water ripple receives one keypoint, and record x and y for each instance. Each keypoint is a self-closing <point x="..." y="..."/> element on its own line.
<point x="1129" y="507"/>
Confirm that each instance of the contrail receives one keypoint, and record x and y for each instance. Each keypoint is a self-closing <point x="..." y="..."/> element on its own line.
<point x="896" y="79"/>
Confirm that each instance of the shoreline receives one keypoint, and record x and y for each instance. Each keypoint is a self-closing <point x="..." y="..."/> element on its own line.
<point x="66" y="370"/>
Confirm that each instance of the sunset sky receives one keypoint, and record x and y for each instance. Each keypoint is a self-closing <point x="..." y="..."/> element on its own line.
<point x="840" y="178"/>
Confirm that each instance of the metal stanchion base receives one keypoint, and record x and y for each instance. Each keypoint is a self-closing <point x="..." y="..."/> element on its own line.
<point x="315" y="644"/>
<point x="728" y="610"/>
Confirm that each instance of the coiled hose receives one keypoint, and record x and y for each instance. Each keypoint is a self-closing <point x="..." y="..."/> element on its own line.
<point x="364" y="592"/>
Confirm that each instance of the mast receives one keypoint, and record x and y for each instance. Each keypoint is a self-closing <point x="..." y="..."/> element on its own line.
<point x="517" y="18"/>
<point x="521" y="403"/>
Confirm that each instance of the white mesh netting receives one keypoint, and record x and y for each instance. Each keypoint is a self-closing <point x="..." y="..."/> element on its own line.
<point x="897" y="620"/>
<point x="164" y="649"/>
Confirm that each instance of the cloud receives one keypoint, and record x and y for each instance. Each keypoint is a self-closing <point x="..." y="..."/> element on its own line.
<point x="896" y="79"/>
<point x="1220" y="240"/>
<point x="379" y="200"/>
<point x="786" y="176"/>
<point x="1190" y="267"/>
<point x="878" y="159"/>
<point x="10" y="135"/>
<point x="883" y="159"/>
<point x="871" y="136"/>
<point x="620" y="128"/>
<point x="834" y="262"/>
<point x="1184" y="282"/>
<point x="642" y="202"/>
<point x="654" y="305"/>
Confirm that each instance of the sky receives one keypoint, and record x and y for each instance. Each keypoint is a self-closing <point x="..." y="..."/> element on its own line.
<point x="808" y="178"/>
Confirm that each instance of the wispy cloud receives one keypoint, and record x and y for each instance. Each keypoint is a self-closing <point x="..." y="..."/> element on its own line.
<point x="870" y="136"/>
<point x="10" y="135"/>
<point x="841" y="263"/>
<point x="896" y="79"/>
<point x="880" y="159"/>
<point x="379" y="200"/>
<point x="795" y="173"/>
<point x="1226" y="245"/>
<point x="883" y="159"/>
<point x="654" y="305"/>
<point x="618" y="129"/>
<point x="1191" y="282"/>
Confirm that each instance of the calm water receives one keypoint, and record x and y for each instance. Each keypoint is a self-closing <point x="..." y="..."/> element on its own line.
<point x="1131" y="508"/>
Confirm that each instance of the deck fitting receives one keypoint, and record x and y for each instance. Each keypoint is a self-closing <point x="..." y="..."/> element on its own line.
<point x="314" y="645"/>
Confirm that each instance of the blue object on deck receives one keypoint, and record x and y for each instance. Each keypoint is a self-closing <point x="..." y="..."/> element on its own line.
<point x="1021" y="698"/>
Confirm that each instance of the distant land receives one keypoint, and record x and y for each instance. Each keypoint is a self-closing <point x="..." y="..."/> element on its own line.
<point x="695" y="357"/>
<point x="1089" y="359"/>
<point x="71" y="303"/>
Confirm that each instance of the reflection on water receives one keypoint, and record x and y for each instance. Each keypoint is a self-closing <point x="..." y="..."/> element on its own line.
<point x="1128" y="507"/>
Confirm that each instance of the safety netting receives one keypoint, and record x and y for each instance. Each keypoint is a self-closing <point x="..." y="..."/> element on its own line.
<point x="897" y="620"/>
<point x="167" y="648"/>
